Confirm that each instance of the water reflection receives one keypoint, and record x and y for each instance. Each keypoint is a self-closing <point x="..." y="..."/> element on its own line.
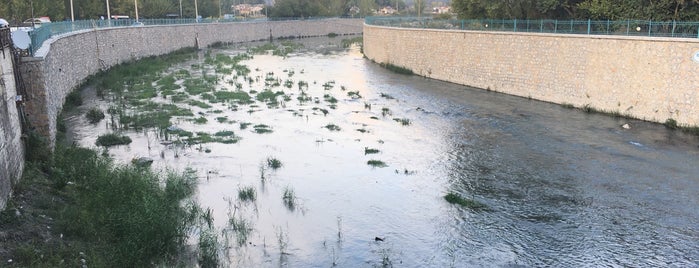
<point x="563" y="188"/>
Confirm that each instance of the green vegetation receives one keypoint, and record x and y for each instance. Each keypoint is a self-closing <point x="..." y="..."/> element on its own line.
<point x="355" y="40"/>
<point x="241" y="227"/>
<point x="397" y="69"/>
<point x="208" y="248"/>
<point x="332" y="127"/>
<point x="103" y="210"/>
<point x="112" y="139"/>
<point x="73" y="100"/>
<point x="247" y="193"/>
<point x="376" y="163"/>
<point x="663" y="10"/>
<point x="403" y="121"/>
<point x="274" y="163"/>
<point x="289" y="198"/>
<point x="94" y="115"/>
<point x="262" y="129"/>
<point x="368" y="150"/>
<point x="453" y="198"/>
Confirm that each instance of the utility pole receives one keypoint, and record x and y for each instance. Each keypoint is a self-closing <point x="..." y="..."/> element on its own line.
<point x="72" y="15"/>
<point x="135" y="4"/>
<point x="109" y="15"/>
<point x="180" y="9"/>
<point x="196" y="11"/>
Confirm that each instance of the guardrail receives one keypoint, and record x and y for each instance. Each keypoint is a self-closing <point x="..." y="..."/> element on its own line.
<point x="589" y="27"/>
<point x="47" y="30"/>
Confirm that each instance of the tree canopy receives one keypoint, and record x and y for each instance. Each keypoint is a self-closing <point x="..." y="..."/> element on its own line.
<point x="665" y="10"/>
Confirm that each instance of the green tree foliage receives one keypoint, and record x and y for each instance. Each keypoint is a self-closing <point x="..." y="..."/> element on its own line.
<point x="665" y="10"/>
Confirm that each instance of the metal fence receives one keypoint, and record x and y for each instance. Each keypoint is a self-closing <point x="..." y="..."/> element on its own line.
<point x="590" y="27"/>
<point x="47" y="30"/>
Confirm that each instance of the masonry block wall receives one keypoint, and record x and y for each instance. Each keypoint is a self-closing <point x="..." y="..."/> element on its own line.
<point x="62" y="64"/>
<point x="653" y="79"/>
<point x="11" y="146"/>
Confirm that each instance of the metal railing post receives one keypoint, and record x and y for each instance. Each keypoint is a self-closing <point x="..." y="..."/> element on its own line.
<point x="588" y="26"/>
<point x="673" y="28"/>
<point x="515" y="29"/>
<point x="628" y="24"/>
<point x="650" y="26"/>
<point x="607" y="26"/>
<point x="555" y="26"/>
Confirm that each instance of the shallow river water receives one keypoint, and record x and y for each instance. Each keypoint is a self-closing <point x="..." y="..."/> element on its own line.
<point x="563" y="188"/>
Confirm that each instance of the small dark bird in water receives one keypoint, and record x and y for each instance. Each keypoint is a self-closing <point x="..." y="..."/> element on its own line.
<point x="378" y="239"/>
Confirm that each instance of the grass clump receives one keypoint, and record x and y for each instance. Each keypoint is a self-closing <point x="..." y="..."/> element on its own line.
<point x="376" y="163"/>
<point x="112" y="139"/>
<point x="123" y="208"/>
<point x="332" y="127"/>
<point x="274" y="163"/>
<point x="403" y="121"/>
<point x="94" y="115"/>
<point x="289" y="198"/>
<point x="397" y="69"/>
<point x="247" y="193"/>
<point x="453" y="198"/>
<point x="208" y="249"/>
<point x="368" y="150"/>
<point x="671" y="123"/>
<point x="262" y="129"/>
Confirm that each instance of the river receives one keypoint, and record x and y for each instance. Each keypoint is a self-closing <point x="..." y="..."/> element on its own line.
<point x="563" y="188"/>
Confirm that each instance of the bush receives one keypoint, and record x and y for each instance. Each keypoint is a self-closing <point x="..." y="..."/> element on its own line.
<point x="112" y="139"/>
<point x="94" y="115"/>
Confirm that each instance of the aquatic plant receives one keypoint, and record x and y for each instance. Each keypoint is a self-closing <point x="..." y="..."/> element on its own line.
<point x="289" y="198"/>
<point x="397" y="69"/>
<point x="274" y="163"/>
<point x="208" y="248"/>
<point x="386" y="96"/>
<point x="247" y="193"/>
<point x="354" y="94"/>
<point x="94" y="115"/>
<point x="242" y="228"/>
<point x="376" y="163"/>
<point x="385" y="111"/>
<point x="454" y="198"/>
<point x="332" y="127"/>
<point x="112" y="139"/>
<point x="402" y="121"/>
<point x="262" y="129"/>
<point x="368" y="150"/>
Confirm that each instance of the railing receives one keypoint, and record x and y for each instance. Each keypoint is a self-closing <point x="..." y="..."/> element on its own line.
<point x="5" y="37"/>
<point x="47" y="30"/>
<point x="590" y="27"/>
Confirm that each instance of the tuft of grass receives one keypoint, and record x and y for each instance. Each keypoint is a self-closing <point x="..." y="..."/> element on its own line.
<point x="453" y="198"/>
<point x="73" y="100"/>
<point x="242" y="227"/>
<point x="354" y="94"/>
<point x="332" y="127"/>
<point x="208" y="249"/>
<point x="274" y="163"/>
<point x="262" y="129"/>
<point x="289" y="198"/>
<point x="397" y="69"/>
<point x="671" y="123"/>
<point x="368" y="150"/>
<point x="112" y="139"/>
<point x="376" y="163"/>
<point x="94" y="115"/>
<point x="332" y="35"/>
<point x="403" y="121"/>
<point x="567" y="105"/>
<point x="247" y="193"/>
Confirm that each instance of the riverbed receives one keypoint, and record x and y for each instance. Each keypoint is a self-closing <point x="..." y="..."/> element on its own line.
<point x="562" y="187"/>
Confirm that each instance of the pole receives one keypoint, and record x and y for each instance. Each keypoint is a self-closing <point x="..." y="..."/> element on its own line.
<point x="109" y="15"/>
<point x="219" y="9"/>
<point x="72" y="14"/>
<point x="135" y="4"/>
<point x="196" y="11"/>
<point x="32" y="9"/>
<point x="180" y="9"/>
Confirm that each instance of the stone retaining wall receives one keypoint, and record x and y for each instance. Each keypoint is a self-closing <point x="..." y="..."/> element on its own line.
<point x="648" y="78"/>
<point x="11" y="146"/>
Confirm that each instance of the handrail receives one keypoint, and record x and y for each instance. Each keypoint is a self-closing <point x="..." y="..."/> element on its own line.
<point x="588" y="27"/>
<point x="47" y="30"/>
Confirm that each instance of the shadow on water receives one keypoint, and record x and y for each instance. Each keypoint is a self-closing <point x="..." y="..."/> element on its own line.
<point x="562" y="187"/>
